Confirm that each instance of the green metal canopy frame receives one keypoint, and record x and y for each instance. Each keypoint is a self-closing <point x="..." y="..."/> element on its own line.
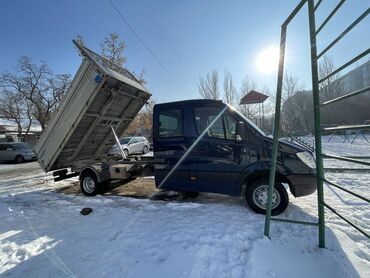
<point x="316" y="102"/>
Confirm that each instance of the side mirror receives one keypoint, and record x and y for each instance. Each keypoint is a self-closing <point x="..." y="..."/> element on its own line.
<point x="240" y="132"/>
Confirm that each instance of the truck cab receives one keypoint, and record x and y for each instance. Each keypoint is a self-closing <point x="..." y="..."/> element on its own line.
<point x="208" y="146"/>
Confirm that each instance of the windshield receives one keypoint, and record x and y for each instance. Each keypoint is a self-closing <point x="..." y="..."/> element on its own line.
<point x="125" y="140"/>
<point x="23" y="146"/>
<point x="247" y="120"/>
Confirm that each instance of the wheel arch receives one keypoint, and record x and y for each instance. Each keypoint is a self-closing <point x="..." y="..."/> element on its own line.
<point x="101" y="171"/>
<point x="90" y="170"/>
<point x="19" y="155"/>
<point x="256" y="175"/>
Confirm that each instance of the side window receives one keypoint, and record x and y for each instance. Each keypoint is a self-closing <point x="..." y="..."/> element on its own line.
<point x="224" y="127"/>
<point x="170" y="123"/>
<point x="4" y="147"/>
<point x="204" y="116"/>
<point x="133" y="141"/>
<point x="230" y="124"/>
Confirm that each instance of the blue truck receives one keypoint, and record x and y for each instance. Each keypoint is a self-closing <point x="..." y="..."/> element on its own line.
<point x="198" y="145"/>
<point x="221" y="151"/>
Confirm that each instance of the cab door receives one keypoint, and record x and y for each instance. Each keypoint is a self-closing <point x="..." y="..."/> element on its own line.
<point x="218" y="159"/>
<point x="170" y="147"/>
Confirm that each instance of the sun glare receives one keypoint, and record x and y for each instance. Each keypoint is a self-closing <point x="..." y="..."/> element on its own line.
<point x="268" y="60"/>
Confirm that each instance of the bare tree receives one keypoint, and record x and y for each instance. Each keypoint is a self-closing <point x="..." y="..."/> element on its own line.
<point x="290" y="85"/>
<point x="209" y="87"/>
<point x="38" y="86"/>
<point x="112" y="49"/>
<point x="140" y="77"/>
<point x="230" y="92"/>
<point x="331" y="87"/>
<point x="292" y="111"/>
<point x="143" y="122"/>
<point x="15" y="108"/>
<point x="297" y="113"/>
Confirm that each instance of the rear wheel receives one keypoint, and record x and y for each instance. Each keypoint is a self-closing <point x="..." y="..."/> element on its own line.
<point x="125" y="151"/>
<point x="145" y="150"/>
<point x="256" y="196"/>
<point x="89" y="183"/>
<point x="19" y="159"/>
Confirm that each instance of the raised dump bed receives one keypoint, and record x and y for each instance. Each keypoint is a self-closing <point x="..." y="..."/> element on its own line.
<point x="101" y="94"/>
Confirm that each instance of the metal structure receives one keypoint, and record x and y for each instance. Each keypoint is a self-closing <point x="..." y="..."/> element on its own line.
<point x="316" y="102"/>
<point x="347" y="137"/>
<point x="256" y="98"/>
<point x="101" y="95"/>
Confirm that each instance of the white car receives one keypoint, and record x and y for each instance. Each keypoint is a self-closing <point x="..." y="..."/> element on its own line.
<point x="131" y="145"/>
<point x="18" y="152"/>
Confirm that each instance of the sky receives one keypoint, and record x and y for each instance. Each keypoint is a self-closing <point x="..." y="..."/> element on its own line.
<point x="189" y="38"/>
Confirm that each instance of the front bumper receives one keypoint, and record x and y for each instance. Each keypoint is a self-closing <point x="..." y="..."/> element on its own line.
<point x="30" y="157"/>
<point x="302" y="185"/>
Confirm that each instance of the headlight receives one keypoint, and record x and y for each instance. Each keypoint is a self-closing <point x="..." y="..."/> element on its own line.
<point x="307" y="159"/>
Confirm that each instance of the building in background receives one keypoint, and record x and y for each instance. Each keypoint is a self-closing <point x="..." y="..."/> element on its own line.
<point x="9" y="133"/>
<point x="297" y="110"/>
<point x="357" y="78"/>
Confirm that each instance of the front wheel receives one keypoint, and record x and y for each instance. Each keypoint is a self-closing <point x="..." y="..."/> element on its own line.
<point x="145" y="150"/>
<point x="256" y="196"/>
<point x="19" y="159"/>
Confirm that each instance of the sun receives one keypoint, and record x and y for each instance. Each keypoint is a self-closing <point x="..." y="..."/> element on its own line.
<point x="268" y="60"/>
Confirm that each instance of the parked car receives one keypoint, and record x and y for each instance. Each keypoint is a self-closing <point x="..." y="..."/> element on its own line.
<point x="131" y="145"/>
<point x="18" y="152"/>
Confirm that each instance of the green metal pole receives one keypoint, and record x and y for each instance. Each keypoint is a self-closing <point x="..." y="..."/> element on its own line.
<point x="316" y="104"/>
<point x="275" y="143"/>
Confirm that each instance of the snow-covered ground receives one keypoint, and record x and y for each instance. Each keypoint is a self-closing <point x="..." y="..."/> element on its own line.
<point x="335" y="146"/>
<point x="42" y="234"/>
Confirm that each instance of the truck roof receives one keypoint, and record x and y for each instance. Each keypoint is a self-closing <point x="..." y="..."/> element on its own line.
<point x="192" y="102"/>
<point x="101" y="95"/>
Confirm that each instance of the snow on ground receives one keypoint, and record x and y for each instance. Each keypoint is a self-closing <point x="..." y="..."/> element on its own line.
<point x="17" y="171"/>
<point x="336" y="146"/>
<point x="42" y="234"/>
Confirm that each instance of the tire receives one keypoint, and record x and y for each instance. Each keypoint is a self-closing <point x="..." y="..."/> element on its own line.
<point x="125" y="151"/>
<point x="19" y="159"/>
<point x="256" y="196"/>
<point x="145" y="150"/>
<point x="89" y="183"/>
